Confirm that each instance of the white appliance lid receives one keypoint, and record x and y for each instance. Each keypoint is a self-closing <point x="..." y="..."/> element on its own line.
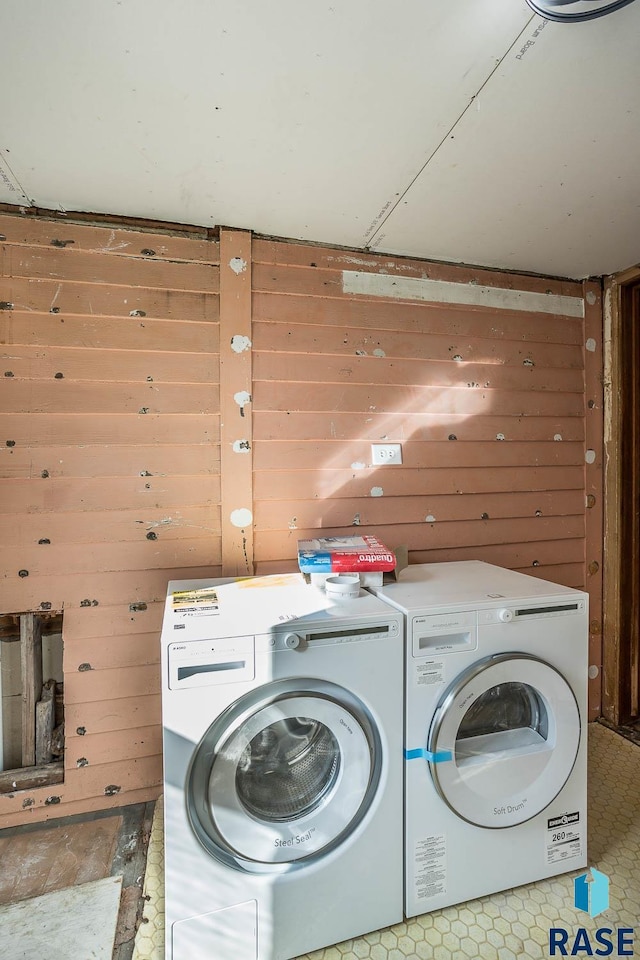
<point x="468" y="582"/>
<point x="259" y="604"/>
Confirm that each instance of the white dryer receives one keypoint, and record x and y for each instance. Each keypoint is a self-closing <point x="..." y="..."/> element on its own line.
<point x="495" y="730"/>
<point x="282" y="726"/>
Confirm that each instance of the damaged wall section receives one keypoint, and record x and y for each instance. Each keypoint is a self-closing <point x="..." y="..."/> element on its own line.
<point x="110" y="465"/>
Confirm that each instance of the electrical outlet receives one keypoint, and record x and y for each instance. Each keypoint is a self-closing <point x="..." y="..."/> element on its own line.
<point x="386" y="454"/>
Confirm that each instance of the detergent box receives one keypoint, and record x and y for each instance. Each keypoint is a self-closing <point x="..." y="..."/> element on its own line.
<point x="364" y="554"/>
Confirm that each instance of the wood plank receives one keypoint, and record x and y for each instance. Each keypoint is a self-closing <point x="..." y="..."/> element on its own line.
<point x="32" y="362"/>
<point x="26" y="461"/>
<point x="622" y="431"/>
<point x="70" y="430"/>
<point x="130" y="586"/>
<point x="633" y="531"/>
<point x="109" y="333"/>
<point x="284" y="484"/>
<point x="372" y="315"/>
<point x="31" y="777"/>
<point x="85" y="397"/>
<point x="120" y="493"/>
<point x="113" y="684"/>
<point x="116" y="241"/>
<point x="104" y="716"/>
<point x="76" y="266"/>
<point x="277" y="252"/>
<point x="103" y="653"/>
<point x="113" y="526"/>
<point x="372" y="372"/>
<point x="372" y="427"/>
<point x="67" y="300"/>
<point x="82" y="624"/>
<point x="307" y="338"/>
<point x="567" y="574"/>
<point x="112" y="557"/>
<point x="101" y="748"/>
<point x="279" y="545"/>
<point x="348" y="511"/>
<point x="31" y="671"/>
<point x="520" y="556"/>
<point x="335" y="454"/>
<point x="112" y="779"/>
<point x="594" y="471"/>
<point x="13" y="810"/>
<point x="236" y="436"/>
<point x="316" y="282"/>
<point x="525" y="556"/>
<point x="355" y="398"/>
<point x="45" y="721"/>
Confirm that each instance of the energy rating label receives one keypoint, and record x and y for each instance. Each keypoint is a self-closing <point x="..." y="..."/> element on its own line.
<point x="564" y="837"/>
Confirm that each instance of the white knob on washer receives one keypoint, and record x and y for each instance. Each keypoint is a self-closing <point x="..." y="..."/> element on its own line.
<point x="506" y="616"/>
<point x="292" y="641"/>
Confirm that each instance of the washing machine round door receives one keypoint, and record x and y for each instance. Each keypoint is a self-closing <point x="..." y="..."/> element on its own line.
<point x="284" y="775"/>
<point x="504" y="740"/>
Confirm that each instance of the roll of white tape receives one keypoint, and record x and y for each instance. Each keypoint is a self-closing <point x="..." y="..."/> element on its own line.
<point x="343" y="585"/>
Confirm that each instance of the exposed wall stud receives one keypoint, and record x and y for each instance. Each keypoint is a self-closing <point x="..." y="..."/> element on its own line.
<point x="31" y="667"/>
<point x="235" y="403"/>
<point x="593" y="365"/>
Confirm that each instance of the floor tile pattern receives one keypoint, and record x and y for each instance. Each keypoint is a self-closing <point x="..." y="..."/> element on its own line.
<point x="503" y="926"/>
<point x="149" y="943"/>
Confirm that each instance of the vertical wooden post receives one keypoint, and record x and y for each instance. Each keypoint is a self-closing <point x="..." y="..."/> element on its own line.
<point x="612" y="613"/>
<point x="31" y="664"/>
<point x="631" y="449"/>
<point x="236" y="436"/>
<point x="45" y="721"/>
<point x="594" y="400"/>
<point x="621" y="640"/>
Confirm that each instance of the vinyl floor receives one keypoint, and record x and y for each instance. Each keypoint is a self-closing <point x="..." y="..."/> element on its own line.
<point x="506" y="926"/>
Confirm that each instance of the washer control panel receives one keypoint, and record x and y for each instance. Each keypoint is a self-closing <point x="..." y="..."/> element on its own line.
<point x="205" y="663"/>
<point x="300" y="639"/>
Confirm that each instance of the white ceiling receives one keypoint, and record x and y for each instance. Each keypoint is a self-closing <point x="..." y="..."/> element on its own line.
<point x="461" y="130"/>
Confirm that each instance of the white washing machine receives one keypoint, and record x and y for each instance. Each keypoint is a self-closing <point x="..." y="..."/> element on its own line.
<point x="495" y="730"/>
<point x="282" y="726"/>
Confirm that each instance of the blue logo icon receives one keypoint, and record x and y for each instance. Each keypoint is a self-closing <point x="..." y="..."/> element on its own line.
<point x="591" y="893"/>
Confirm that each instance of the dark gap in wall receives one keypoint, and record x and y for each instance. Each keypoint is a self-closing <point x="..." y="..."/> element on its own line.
<point x="32" y="701"/>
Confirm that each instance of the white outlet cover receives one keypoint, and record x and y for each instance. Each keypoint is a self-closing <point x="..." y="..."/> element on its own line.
<point x="386" y="454"/>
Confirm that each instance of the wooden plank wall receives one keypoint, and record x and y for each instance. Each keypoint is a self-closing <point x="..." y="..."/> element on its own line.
<point x="110" y="462"/>
<point x="111" y="447"/>
<point x="488" y="403"/>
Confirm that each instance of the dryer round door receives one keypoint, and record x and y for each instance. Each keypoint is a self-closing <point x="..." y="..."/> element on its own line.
<point x="284" y="775"/>
<point x="504" y="740"/>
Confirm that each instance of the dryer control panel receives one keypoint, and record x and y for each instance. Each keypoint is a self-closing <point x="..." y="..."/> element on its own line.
<point x="529" y="611"/>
